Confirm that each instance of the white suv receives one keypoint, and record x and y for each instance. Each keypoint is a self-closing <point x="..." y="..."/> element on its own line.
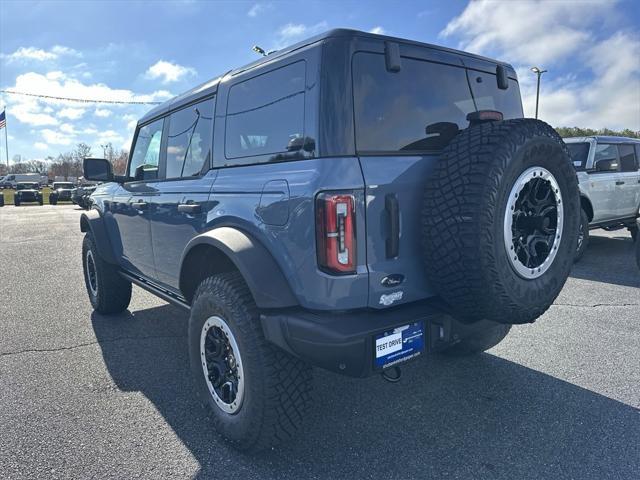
<point x="609" y="179"/>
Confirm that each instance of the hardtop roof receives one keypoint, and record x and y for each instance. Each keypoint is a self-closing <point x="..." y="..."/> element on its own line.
<point x="209" y="87"/>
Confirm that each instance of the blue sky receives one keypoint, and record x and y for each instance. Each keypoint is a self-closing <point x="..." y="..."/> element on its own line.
<point x="151" y="51"/>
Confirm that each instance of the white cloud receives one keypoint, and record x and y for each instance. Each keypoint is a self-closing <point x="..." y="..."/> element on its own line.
<point x="71" y="113"/>
<point x="293" y="32"/>
<point x="41" y="146"/>
<point x="109" y="136"/>
<point x="40" y="55"/>
<point x="257" y="9"/>
<point x="40" y="112"/>
<point x="29" y="111"/>
<point x="169" y="72"/>
<point x="604" y="88"/>
<point x="102" y="112"/>
<point x="57" y="138"/>
<point x="378" y="30"/>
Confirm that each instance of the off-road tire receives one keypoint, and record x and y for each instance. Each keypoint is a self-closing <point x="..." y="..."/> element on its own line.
<point x="584" y="225"/>
<point x="113" y="291"/>
<point x="52" y="200"/>
<point x="633" y="230"/>
<point x="478" y="342"/>
<point x="16" y="202"/>
<point x="463" y="229"/>
<point x="277" y="389"/>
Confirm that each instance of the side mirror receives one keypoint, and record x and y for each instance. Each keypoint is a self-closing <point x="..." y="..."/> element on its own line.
<point x="98" y="169"/>
<point x="607" y="165"/>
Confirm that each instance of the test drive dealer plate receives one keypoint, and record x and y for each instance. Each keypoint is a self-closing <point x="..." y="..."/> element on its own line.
<point x="398" y="345"/>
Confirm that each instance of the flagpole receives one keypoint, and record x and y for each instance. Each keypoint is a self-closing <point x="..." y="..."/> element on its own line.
<point x="6" y="138"/>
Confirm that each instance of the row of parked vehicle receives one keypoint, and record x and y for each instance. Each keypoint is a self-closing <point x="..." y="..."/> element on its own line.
<point x="30" y="192"/>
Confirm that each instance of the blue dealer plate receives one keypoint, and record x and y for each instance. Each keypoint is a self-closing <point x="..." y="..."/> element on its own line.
<point x="398" y="345"/>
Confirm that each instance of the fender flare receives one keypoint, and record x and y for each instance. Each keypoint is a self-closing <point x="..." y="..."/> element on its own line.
<point x="585" y="201"/>
<point x="92" y="221"/>
<point x="264" y="277"/>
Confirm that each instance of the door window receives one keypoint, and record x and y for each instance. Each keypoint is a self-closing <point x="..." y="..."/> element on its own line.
<point x="628" y="160"/>
<point x="146" y="152"/>
<point x="189" y="140"/>
<point x="606" y="158"/>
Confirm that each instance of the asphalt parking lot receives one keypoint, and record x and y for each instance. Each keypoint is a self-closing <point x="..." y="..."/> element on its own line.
<point x="86" y="396"/>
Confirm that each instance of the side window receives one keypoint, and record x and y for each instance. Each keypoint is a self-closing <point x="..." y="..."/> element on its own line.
<point x="606" y="158"/>
<point x="265" y="115"/>
<point x="189" y="140"/>
<point x="579" y="153"/>
<point x="628" y="159"/>
<point x="146" y="152"/>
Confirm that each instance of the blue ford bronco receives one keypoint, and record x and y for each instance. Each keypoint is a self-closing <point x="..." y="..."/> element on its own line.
<point x="350" y="202"/>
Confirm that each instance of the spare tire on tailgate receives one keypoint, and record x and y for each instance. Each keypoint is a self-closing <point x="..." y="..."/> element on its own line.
<point x="500" y="221"/>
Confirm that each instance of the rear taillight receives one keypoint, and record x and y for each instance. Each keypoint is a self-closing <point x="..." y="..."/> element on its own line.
<point x="336" y="232"/>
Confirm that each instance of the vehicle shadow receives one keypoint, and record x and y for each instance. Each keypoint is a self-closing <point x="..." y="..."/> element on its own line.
<point x="481" y="417"/>
<point x="609" y="260"/>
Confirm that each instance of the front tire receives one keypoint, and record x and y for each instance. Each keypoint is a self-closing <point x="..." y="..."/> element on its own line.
<point x="53" y="200"/>
<point x="267" y="391"/>
<point x="16" y="202"/>
<point x="583" y="235"/>
<point x="633" y="230"/>
<point x="479" y="342"/>
<point x="108" y="291"/>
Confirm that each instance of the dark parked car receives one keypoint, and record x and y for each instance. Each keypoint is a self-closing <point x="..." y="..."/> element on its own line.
<point x="60" y="192"/>
<point x="27" y="192"/>
<point x="358" y="201"/>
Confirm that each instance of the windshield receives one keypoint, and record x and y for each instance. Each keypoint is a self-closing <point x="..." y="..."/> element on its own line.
<point x="62" y="185"/>
<point x="579" y="153"/>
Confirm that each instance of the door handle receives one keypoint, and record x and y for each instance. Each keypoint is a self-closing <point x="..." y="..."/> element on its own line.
<point x="140" y="205"/>
<point x="619" y="182"/>
<point x="190" y="208"/>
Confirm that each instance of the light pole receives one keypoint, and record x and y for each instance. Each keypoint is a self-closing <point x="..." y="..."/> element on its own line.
<point x="538" y="72"/>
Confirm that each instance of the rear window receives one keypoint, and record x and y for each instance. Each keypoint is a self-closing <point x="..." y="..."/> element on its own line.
<point x="579" y="153"/>
<point x="422" y="106"/>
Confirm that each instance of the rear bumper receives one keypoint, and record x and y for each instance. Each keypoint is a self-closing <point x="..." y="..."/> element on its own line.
<point x="343" y="342"/>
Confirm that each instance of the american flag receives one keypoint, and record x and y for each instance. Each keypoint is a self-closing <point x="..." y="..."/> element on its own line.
<point x="3" y="120"/>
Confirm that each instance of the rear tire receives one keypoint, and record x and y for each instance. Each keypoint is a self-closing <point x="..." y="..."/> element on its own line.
<point x="16" y="202"/>
<point x="499" y="221"/>
<point x="479" y="342"/>
<point x="276" y="391"/>
<point x="583" y="235"/>
<point x="108" y="291"/>
<point x="52" y="200"/>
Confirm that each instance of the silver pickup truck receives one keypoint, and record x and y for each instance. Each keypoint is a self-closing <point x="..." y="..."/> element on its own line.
<point x="609" y="179"/>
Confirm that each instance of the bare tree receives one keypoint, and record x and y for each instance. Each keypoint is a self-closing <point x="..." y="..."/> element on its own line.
<point x="119" y="162"/>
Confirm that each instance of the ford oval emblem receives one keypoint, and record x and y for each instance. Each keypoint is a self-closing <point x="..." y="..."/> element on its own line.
<point x="392" y="280"/>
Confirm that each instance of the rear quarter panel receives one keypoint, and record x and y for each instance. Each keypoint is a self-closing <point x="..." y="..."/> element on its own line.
<point x="251" y="197"/>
